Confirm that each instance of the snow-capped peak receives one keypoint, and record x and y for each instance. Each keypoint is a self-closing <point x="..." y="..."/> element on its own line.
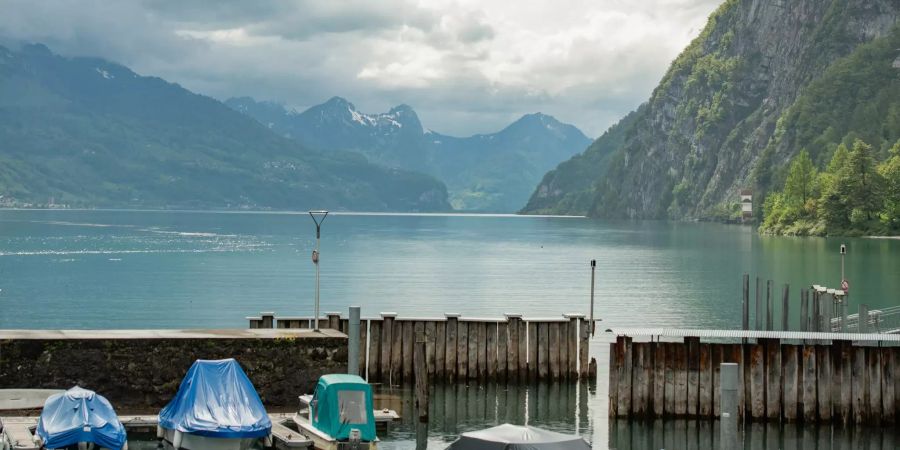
<point x="104" y="73"/>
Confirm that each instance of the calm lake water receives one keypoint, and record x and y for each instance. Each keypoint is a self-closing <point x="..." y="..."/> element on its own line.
<point x="144" y="269"/>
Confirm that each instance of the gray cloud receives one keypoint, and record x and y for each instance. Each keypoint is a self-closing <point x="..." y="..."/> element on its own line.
<point x="466" y="66"/>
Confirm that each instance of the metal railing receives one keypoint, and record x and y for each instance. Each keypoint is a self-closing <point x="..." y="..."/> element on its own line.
<point x="884" y="320"/>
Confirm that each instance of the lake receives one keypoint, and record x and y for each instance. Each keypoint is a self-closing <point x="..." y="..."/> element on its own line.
<point x="155" y="269"/>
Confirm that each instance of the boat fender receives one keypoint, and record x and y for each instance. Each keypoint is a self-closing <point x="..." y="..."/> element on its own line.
<point x="82" y="446"/>
<point x="160" y="433"/>
<point x="176" y="440"/>
<point x="267" y="441"/>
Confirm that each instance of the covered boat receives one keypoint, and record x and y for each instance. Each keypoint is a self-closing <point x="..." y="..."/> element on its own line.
<point x="515" y="437"/>
<point x="216" y="408"/>
<point x="80" y="417"/>
<point x="341" y="411"/>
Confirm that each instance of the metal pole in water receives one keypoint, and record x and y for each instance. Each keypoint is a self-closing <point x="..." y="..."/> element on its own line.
<point x="593" y="270"/>
<point x="728" y="423"/>
<point x="353" y="335"/>
<point x="315" y="259"/>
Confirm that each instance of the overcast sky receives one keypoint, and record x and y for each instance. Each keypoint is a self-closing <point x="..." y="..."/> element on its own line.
<point x="466" y="66"/>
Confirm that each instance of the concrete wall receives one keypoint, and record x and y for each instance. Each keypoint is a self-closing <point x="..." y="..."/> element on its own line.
<point x="144" y="368"/>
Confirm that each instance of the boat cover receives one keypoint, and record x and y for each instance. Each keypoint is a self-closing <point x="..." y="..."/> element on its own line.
<point x="80" y="415"/>
<point x="342" y="403"/>
<point x="515" y="437"/>
<point x="216" y="399"/>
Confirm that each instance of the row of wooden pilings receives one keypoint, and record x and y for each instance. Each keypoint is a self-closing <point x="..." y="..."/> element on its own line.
<point x="836" y="381"/>
<point x="509" y="349"/>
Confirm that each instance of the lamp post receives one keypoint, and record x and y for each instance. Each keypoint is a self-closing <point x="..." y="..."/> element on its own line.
<point x="318" y="217"/>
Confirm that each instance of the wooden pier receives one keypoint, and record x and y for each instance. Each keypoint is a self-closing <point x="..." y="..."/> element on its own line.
<point x="783" y="376"/>
<point x="508" y="349"/>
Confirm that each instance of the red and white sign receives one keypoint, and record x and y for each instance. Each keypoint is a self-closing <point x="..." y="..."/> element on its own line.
<point x="845" y="285"/>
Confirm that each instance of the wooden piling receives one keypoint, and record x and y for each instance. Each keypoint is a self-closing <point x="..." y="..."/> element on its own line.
<point x="681" y="380"/>
<point x="532" y="340"/>
<point x="462" y="353"/>
<point x="451" y="347"/>
<point x="785" y="307"/>
<point x="491" y="350"/>
<point x="562" y="345"/>
<point x="522" y="353"/>
<point x="845" y="370"/>
<point x="421" y="371"/>
<point x="504" y="354"/>
<point x="624" y="384"/>
<point x="440" y="350"/>
<point x="824" y="382"/>
<point x="408" y="344"/>
<point x="773" y="379"/>
<point x="745" y="305"/>
<point x="374" y="367"/>
<point x="397" y="354"/>
<point x="543" y="342"/>
<point x="888" y="394"/>
<point x="873" y="384"/>
<point x="431" y="347"/>
<point x="770" y="306"/>
<point x="809" y="383"/>
<point x="705" y="407"/>
<point x="858" y="386"/>
<point x="791" y="382"/>
<point x="804" y="310"/>
<point x="553" y="350"/>
<point x="669" y="390"/>
<point x="693" y="376"/>
<point x="584" y="346"/>
<point x="659" y="378"/>
<point x="481" y="349"/>
<point x="757" y="381"/>
<point x="387" y="333"/>
<point x="616" y="372"/>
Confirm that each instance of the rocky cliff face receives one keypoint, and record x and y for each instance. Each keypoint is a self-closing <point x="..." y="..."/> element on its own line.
<point x="702" y="135"/>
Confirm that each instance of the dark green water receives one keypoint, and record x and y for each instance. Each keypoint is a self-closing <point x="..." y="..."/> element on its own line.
<point x="128" y="269"/>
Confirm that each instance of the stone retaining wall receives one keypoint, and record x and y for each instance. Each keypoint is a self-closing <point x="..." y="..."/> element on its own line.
<point x="142" y="371"/>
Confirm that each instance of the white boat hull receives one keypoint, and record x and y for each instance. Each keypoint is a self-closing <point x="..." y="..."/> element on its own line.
<point x="186" y="441"/>
<point x="322" y="441"/>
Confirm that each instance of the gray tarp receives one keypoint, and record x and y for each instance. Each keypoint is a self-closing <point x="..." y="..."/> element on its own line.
<point x="515" y="437"/>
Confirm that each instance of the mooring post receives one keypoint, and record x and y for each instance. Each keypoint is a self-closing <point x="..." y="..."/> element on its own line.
<point x="745" y="305"/>
<point x="593" y="270"/>
<point x="770" y="307"/>
<point x="421" y="375"/>
<point x="268" y="319"/>
<point x="728" y="421"/>
<point x="785" y="297"/>
<point x="758" y="322"/>
<point x="353" y="342"/>
<point x="804" y="310"/>
<point x="816" y="312"/>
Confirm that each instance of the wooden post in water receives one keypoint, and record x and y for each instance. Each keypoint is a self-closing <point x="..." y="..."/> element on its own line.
<point x="804" y="310"/>
<point x="421" y="374"/>
<point x="785" y="297"/>
<point x="387" y="333"/>
<point x="770" y="307"/>
<point x="745" y="305"/>
<point x="758" y="318"/>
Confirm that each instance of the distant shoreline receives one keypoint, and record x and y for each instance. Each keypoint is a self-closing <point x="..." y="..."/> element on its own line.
<point x="292" y="212"/>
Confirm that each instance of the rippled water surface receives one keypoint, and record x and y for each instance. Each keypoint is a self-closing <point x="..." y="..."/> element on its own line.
<point x="132" y="269"/>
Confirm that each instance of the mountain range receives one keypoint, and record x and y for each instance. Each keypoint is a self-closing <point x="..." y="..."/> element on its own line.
<point x="764" y="80"/>
<point x="486" y="172"/>
<point x="87" y="132"/>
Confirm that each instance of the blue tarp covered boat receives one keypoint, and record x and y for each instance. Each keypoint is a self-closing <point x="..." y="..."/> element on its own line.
<point x="80" y="415"/>
<point x="216" y="407"/>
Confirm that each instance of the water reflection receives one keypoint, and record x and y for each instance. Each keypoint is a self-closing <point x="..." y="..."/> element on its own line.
<point x="704" y="434"/>
<point x="454" y="409"/>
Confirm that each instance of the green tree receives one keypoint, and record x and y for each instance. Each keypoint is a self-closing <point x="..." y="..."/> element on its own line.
<point x="800" y="184"/>
<point x="859" y="183"/>
<point x="890" y="172"/>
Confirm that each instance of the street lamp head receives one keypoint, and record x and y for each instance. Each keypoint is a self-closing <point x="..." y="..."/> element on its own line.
<point x="843" y="249"/>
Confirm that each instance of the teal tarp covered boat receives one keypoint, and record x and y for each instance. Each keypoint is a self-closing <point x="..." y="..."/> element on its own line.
<point x="342" y="403"/>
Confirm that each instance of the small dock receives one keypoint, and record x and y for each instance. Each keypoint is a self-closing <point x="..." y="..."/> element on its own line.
<point x="18" y="432"/>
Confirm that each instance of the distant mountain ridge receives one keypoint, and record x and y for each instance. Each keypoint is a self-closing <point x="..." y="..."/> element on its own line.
<point x="87" y="132"/>
<point x="487" y="172"/>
